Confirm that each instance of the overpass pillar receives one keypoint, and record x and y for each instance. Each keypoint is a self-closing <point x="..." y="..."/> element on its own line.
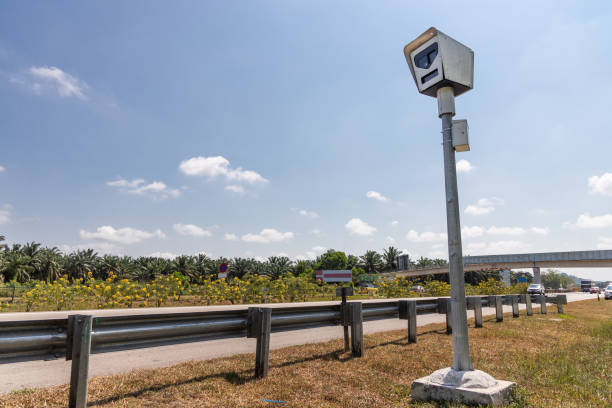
<point x="536" y="274"/>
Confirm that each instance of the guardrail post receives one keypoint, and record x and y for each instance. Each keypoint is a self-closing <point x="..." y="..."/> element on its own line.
<point x="515" y="305"/>
<point x="259" y="325"/>
<point x="407" y="310"/>
<point x="81" y="347"/>
<point x="444" y="306"/>
<point x="475" y="302"/>
<point x="499" y="309"/>
<point x="356" y="319"/>
<point x="344" y="292"/>
<point x="542" y="302"/>
<point x="561" y="300"/>
<point x="526" y="299"/>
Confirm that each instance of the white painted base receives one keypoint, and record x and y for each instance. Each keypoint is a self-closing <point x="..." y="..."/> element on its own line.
<point x="470" y="387"/>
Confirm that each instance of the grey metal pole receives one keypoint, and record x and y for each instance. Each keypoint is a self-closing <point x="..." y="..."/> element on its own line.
<point x="461" y="348"/>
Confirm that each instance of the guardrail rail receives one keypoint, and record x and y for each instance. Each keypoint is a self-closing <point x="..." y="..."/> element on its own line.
<point x="77" y="336"/>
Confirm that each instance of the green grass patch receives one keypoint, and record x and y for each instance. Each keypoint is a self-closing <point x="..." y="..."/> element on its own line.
<point x="555" y="361"/>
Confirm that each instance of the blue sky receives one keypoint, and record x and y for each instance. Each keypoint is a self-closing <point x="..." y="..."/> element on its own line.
<point x="282" y="127"/>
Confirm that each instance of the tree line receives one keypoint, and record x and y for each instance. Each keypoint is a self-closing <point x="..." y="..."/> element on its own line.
<point x="32" y="261"/>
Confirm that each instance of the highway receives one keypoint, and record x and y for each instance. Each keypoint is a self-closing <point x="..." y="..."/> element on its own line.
<point x="29" y="374"/>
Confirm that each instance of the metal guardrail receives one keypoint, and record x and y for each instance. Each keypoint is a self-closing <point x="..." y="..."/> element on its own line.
<point x="78" y="335"/>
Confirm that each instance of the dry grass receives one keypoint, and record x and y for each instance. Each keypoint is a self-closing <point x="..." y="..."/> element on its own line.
<point x="556" y="360"/>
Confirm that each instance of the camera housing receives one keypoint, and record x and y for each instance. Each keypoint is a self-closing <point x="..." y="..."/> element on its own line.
<point x="436" y="60"/>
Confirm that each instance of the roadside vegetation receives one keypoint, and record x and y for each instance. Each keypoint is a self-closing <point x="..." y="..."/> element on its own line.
<point x="177" y="290"/>
<point x="556" y="361"/>
<point x="34" y="278"/>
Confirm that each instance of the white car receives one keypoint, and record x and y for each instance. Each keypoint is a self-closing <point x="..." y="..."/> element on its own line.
<point x="536" y="289"/>
<point x="608" y="292"/>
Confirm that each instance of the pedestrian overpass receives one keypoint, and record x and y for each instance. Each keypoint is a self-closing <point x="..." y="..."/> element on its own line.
<point x="568" y="259"/>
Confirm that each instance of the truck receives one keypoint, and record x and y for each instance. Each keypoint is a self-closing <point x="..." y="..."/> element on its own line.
<point x="585" y="285"/>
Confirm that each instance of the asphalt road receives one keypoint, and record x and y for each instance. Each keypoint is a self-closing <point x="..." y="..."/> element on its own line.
<point x="29" y="374"/>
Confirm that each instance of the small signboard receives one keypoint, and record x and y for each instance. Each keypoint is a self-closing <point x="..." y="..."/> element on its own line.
<point x="522" y="279"/>
<point x="334" y="276"/>
<point x="223" y="271"/>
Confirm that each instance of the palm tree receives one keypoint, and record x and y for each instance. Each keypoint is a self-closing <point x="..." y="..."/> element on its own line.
<point x="17" y="266"/>
<point x="2" y="246"/>
<point x="187" y="266"/>
<point x="239" y="267"/>
<point x="78" y="264"/>
<point x="352" y="261"/>
<point x="390" y="258"/>
<point x="50" y="264"/>
<point x="205" y="266"/>
<point x="278" y="266"/>
<point x="148" y="268"/>
<point x="372" y="262"/>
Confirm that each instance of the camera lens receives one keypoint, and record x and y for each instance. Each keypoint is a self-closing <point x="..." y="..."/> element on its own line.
<point x="425" y="58"/>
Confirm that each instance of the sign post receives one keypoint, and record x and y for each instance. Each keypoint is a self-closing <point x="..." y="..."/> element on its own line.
<point x="444" y="68"/>
<point x="223" y="271"/>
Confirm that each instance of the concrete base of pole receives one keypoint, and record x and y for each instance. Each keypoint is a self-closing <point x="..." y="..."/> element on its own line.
<point x="468" y="387"/>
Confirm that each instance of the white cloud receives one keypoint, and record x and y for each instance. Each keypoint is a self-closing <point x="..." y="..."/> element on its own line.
<point x="496" y="247"/>
<point x="437" y="254"/>
<point x="604" y="243"/>
<point x="125" y="235"/>
<point x="316" y="232"/>
<point x="476" y="210"/>
<point x="389" y="240"/>
<point x="306" y="213"/>
<point x="304" y="257"/>
<point x="312" y="254"/>
<point x="5" y="217"/>
<point x="471" y="232"/>
<point x="601" y="221"/>
<point x="52" y="80"/>
<point x="601" y="184"/>
<point x="191" y="230"/>
<point x="427" y="236"/>
<point x="464" y="166"/>
<point x="375" y="195"/>
<point x="483" y="206"/>
<point x="540" y="231"/>
<point x="394" y="223"/>
<point x="506" y="231"/>
<point x="235" y="189"/>
<point x="156" y="189"/>
<point x="475" y="246"/>
<point x="219" y="166"/>
<point x="165" y="255"/>
<point x="358" y="227"/>
<point x="123" y="183"/>
<point x="268" y="235"/>
<point x="102" y="248"/>
<point x="2" y="169"/>
<point x="230" y="237"/>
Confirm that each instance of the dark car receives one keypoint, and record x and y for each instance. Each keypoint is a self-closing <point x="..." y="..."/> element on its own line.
<point x="536" y="289"/>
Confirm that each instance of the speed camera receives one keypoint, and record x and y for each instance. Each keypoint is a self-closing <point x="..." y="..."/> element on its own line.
<point x="436" y="61"/>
